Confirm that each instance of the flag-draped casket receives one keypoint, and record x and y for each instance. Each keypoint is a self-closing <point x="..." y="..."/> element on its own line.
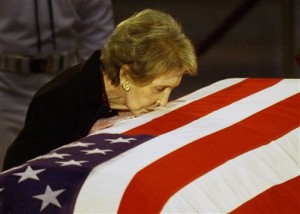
<point x="231" y="147"/>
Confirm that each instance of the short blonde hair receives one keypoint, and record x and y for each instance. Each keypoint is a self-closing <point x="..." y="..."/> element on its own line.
<point x="151" y="43"/>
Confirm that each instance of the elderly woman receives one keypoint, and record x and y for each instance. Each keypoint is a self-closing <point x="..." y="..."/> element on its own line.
<point x="144" y="59"/>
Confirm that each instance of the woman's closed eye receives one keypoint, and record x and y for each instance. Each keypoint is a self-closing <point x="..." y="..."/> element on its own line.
<point x="160" y="88"/>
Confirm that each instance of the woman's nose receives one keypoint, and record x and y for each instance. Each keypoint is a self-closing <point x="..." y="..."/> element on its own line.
<point x="163" y="100"/>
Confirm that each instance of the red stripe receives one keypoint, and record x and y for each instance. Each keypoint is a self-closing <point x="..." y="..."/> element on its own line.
<point x="283" y="198"/>
<point x="150" y="188"/>
<point x="203" y="106"/>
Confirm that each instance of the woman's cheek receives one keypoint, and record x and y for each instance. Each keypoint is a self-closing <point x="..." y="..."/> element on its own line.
<point x="140" y="103"/>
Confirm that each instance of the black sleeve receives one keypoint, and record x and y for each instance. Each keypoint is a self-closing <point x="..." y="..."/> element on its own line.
<point x="50" y="119"/>
<point x="61" y="112"/>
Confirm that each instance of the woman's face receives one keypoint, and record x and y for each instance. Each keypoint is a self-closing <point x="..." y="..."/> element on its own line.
<point x="142" y="99"/>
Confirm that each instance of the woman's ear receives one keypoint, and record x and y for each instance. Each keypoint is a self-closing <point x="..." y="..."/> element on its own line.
<point x="124" y="73"/>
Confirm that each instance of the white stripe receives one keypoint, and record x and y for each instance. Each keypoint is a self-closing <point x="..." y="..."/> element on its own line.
<point x="104" y="187"/>
<point x="240" y="179"/>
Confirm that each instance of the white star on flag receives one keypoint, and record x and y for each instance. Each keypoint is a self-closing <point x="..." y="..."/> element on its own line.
<point x="120" y="140"/>
<point x="71" y="163"/>
<point x="78" y="144"/>
<point x="55" y="155"/>
<point x="49" y="197"/>
<point x="97" y="151"/>
<point x="29" y="173"/>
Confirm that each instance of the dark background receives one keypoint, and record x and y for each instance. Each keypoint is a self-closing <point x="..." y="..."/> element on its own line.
<point x="253" y="39"/>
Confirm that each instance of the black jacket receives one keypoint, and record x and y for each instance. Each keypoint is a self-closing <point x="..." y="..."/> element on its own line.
<point x="61" y="112"/>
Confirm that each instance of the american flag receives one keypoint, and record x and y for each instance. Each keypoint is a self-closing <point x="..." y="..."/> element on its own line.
<point x="229" y="147"/>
